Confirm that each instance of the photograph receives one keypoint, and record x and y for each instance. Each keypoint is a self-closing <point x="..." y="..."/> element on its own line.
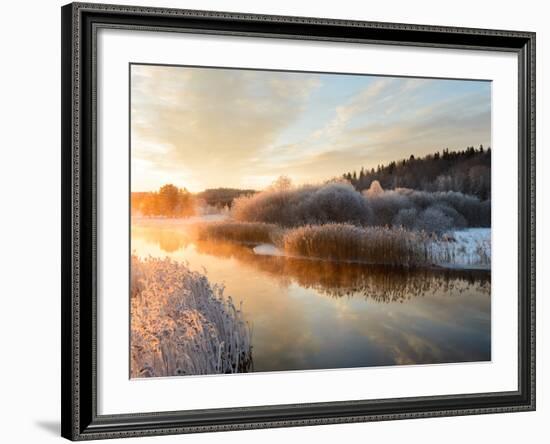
<point x="293" y="221"/>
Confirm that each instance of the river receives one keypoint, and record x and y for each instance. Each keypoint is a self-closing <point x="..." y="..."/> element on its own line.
<point x="308" y="314"/>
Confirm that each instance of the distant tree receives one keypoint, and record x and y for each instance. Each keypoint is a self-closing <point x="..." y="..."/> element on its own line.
<point x="375" y="189"/>
<point x="282" y="183"/>
<point x="222" y="197"/>
<point x="169" y="199"/>
<point x="467" y="171"/>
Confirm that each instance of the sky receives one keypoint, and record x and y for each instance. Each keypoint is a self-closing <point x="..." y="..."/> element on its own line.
<point x="200" y="128"/>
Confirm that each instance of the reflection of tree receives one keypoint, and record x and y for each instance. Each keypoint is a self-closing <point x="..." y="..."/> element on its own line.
<point x="377" y="282"/>
<point x="169" y="201"/>
<point x="168" y="239"/>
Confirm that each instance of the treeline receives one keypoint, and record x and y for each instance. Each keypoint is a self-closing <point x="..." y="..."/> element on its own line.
<point x="222" y="197"/>
<point x="467" y="171"/>
<point x="169" y="201"/>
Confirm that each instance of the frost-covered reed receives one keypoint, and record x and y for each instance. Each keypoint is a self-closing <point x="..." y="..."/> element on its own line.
<point x="466" y="249"/>
<point x="246" y="232"/>
<point x="389" y="246"/>
<point x="183" y="325"/>
<point x="346" y="242"/>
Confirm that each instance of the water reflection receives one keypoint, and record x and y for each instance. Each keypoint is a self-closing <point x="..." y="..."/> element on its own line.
<point x="315" y="314"/>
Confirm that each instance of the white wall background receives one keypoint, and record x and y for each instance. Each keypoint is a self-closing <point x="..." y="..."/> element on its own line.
<point x="30" y="220"/>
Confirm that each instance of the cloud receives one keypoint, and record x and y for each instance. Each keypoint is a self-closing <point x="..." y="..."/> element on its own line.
<point x="450" y="123"/>
<point x="390" y="119"/>
<point x="382" y="96"/>
<point x="205" y="120"/>
<point x="200" y="127"/>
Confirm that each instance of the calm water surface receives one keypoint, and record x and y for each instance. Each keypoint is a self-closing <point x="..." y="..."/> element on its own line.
<point x="309" y="314"/>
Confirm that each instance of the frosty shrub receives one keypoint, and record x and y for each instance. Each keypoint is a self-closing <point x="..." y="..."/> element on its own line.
<point x="438" y="219"/>
<point x="334" y="202"/>
<point x="247" y="232"/>
<point x="451" y="210"/>
<point x="406" y="218"/>
<point x="183" y="325"/>
<point x="433" y="220"/>
<point x="346" y="242"/>
<point x="338" y="202"/>
<point x="386" y="205"/>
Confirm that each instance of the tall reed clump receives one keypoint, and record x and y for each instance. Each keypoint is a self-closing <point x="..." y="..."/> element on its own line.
<point x="346" y="242"/>
<point x="183" y="325"/>
<point x="246" y="232"/>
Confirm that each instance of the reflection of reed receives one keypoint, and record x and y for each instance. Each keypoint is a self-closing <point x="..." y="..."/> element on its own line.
<point x="376" y="282"/>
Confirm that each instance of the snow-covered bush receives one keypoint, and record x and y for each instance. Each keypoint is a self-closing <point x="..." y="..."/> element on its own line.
<point x="433" y="220"/>
<point x="406" y="218"/>
<point x="338" y="202"/>
<point x="335" y="202"/>
<point x="386" y="205"/>
<point x="451" y="209"/>
<point x="469" y="248"/>
<point x="183" y="325"/>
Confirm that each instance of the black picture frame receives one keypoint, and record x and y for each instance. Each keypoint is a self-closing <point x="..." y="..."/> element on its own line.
<point x="80" y="22"/>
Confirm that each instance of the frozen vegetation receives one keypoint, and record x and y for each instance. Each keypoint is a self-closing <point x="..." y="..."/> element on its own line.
<point x="292" y="207"/>
<point x="333" y="221"/>
<point x="346" y="242"/>
<point x="467" y="171"/>
<point x="462" y="249"/>
<point x="246" y="232"/>
<point x="181" y="324"/>
<point x="339" y="202"/>
<point x="470" y="248"/>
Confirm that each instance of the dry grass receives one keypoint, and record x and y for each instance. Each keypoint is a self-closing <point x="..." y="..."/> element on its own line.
<point x="183" y="325"/>
<point x="245" y="232"/>
<point x="345" y="242"/>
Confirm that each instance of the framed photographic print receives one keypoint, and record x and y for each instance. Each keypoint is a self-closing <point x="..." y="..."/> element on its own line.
<point x="280" y="221"/>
